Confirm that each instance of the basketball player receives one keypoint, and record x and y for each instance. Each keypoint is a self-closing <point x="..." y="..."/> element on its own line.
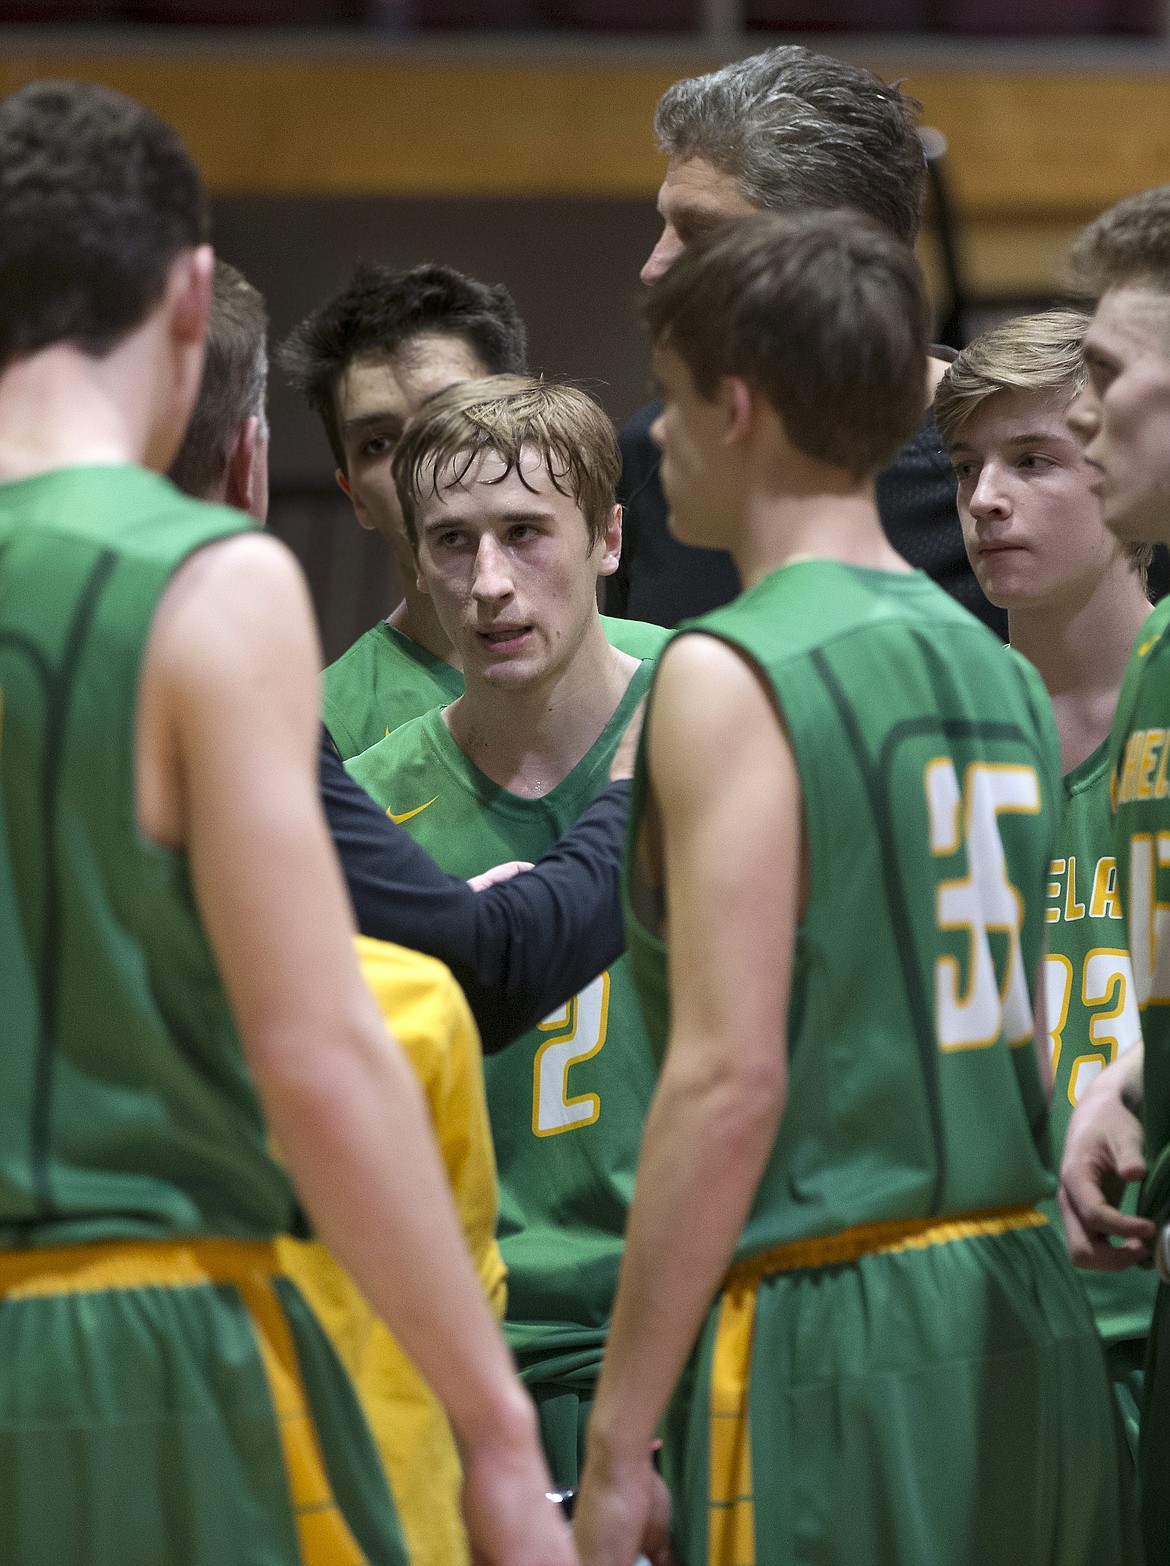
<point x="507" y="489"/>
<point x="366" y="360"/>
<point x="841" y="835"/>
<point x="1076" y="602"/>
<point x="1123" y="415"/>
<point x="166" y="880"/>
<point x="224" y="457"/>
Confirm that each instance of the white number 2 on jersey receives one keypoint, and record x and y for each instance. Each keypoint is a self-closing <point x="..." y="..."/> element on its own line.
<point x="579" y="1032"/>
<point x="982" y="899"/>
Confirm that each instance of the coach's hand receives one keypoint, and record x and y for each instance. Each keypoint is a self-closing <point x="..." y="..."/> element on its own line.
<point x="1102" y="1155"/>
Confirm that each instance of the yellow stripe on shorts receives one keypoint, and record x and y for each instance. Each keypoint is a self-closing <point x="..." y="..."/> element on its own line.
<point x="249" y="1267"/>
<point x="731" y="1530"/>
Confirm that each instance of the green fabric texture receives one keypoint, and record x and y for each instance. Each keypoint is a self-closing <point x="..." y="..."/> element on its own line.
<point x="1092" y="1008"/>
<point x="937" y="1407"/>
<point x="879" y="677"/>
<point x="567" y="1100"/>
<point x="385" y="679"/>
<point x="136" y="1427"/>
<point x="125" y="1104"/>
<point x="950" y="1404"/>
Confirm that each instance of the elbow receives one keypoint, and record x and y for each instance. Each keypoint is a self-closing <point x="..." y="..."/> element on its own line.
<point x="741" y="1096"/>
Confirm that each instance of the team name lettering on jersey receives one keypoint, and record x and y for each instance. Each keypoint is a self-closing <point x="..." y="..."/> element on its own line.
<point x="1073" y="892"/>
<point x="1142" y="774"/>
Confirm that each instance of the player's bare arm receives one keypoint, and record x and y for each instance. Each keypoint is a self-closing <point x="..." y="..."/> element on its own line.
<point x="730" y="824"/>
<point x="227" y="769"/>
<point x="1103" y="1152"/>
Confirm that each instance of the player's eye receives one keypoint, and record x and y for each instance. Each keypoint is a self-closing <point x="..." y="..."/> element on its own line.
<point x="965" y="471"/>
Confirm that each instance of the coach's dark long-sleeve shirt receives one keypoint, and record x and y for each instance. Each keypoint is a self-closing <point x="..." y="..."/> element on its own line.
<point x="519" y="949"/>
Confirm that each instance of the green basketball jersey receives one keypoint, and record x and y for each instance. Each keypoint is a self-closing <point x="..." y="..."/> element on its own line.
<point x="929" y="771"/>
<point x="1090" y="1001"/>
<point x="385" y="679"/>
<point x="568" y="1099"/>
<point x="1140" y="757"/>
<point x="637" y="637"/>
<point x="125" y="1105"/>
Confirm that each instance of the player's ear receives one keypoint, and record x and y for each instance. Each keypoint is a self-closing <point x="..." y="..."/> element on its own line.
<point x="738" y="401"/>
<point x="611" y="544"/>
<point x="188" y="296"/>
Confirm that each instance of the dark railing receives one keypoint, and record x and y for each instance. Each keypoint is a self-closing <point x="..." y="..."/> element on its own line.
<point x="720" y="20"/>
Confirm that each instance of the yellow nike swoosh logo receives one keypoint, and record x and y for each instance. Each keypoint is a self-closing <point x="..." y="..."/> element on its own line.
<point x="406" y="814"/>
<point x="1144" y="647"/>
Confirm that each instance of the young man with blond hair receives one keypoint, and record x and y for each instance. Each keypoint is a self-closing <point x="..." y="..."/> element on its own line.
<point x="842" y="826"/>
<point x="1076" y="602"/>
<point x="1122" y="260"/>
<point x="507" y="491"/>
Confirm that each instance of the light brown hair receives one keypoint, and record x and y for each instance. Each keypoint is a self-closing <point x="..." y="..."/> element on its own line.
<point x="1032" y="353"/>
<point x="1128" y="244"/>
<point x="823" y="312"/>
<point x="506" y="414"/>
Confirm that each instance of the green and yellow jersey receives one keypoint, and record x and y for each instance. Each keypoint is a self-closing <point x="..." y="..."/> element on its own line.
<point x="1140" y="786"/>
<point x="165" y="1394"/>
<point x="929" y="773"/>
<point x="567" y="1100"/>
<point x="125" y="1104"/>
<point x="1092" y="1011"/>
<point x="385" y="679"/>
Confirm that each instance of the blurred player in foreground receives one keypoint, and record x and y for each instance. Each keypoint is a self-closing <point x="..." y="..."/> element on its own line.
<point x="1076" y="601"/>
<point x="1123" y="416"/>
<point x="843" y="821"/>
<point x="165" y="878"/>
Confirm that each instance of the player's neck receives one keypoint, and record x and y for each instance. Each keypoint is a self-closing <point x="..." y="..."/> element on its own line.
<point x="529" y="738"/>
<point x="778" y="527"/>
<point x="59" y="408"/>
<point x="1081" y="648"/>
<point x="415" y="618"/>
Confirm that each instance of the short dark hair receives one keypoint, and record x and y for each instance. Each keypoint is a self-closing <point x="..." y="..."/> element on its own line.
<point x="97" y="198"/>
<point x="822" y="312"/>
<point x="235" y="379"/>
<point x="1128" y="244"/>
<point x="379" y="311"/>
<point x="797" y="130"/>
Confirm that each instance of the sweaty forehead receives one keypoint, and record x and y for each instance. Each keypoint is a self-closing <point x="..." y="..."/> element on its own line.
<point x="494" y="486"/>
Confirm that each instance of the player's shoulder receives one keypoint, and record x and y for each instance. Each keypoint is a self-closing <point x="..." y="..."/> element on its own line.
<point x="639" y="638"/>
<point x="359" y="652"/>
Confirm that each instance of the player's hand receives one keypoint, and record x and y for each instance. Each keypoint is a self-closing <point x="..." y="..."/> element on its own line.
<point x="626" y="754"/>
<point x="1102" y="1155"/>
<point x="510" y="1521"/>
<point x="623" y="1510"/>
<point x="504" y="872"/>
